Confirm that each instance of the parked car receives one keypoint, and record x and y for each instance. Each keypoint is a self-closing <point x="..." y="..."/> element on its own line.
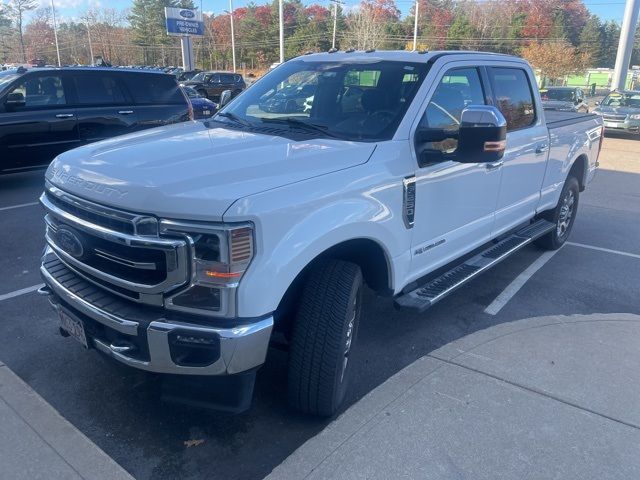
<point x="620" y="111"/>
<point x="202" y="107"/>
<point x="46" y="111"/>
<point x="212" y="84"/>
<point x="566" y="99"/>
<point x="184" y="249"/>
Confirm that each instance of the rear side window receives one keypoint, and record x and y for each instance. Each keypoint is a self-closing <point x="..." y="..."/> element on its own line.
<point x="228" y="78"/>
<point x="154" y="89"/>
<point x="513" y="93"/>
<point x="94" y="89"/>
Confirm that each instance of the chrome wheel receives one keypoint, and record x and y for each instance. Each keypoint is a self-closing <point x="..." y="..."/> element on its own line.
<point x="565" y="216"/>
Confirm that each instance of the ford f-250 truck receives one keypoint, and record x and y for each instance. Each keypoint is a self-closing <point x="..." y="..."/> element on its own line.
<point x="186" y="249"/>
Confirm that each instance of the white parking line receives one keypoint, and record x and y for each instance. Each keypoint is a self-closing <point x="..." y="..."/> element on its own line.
<point x="11" y="207"/>
<point x="22" y="291"/>
<point x="515" y="286"/>
<point x="600" y="249"/>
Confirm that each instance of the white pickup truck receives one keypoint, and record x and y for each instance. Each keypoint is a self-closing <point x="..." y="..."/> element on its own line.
<point x="187" y="249"/>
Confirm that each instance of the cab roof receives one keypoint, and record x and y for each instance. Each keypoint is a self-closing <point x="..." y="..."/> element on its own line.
<point x="397" y="55"/>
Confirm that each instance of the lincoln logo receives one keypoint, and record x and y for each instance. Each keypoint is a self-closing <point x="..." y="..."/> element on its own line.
<point x="70" y="243"/>
<point x="187" y="14"/>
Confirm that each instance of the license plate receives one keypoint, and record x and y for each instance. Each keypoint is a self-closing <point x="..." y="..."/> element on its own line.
<point x="613" y="125"/>
<point x="73" y="327"/>
<point x="206" y="112"/>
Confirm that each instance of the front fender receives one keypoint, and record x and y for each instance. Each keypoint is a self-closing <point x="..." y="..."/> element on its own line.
<point x="290" y="237"/>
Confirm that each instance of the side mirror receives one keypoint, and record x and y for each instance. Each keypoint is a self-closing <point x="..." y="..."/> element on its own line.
<point x="482" y="137"/>
<point x="225" y="97"/>
<point x="14" y="100"/>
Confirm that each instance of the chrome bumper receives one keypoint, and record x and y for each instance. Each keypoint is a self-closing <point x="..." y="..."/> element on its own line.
<point x="242" y="348"/>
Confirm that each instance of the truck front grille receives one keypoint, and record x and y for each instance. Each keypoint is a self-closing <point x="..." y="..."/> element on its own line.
<point x="115" y="250"/>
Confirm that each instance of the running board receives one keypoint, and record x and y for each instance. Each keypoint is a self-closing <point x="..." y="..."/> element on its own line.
<point x="425" y="296"/>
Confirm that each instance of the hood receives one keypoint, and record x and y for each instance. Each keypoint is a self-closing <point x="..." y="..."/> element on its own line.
<point x="190" y="83"/>
<point x="558" y="105"/>
<point x="619" y="110"/>
<point x="195" y="170"/>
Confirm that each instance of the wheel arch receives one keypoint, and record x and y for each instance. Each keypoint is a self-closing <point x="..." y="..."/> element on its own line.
<point x="579" y="169"/>
<point x="367" y="253"/>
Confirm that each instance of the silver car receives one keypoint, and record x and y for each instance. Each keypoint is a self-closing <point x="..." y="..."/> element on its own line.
<point x="620" y="111"/>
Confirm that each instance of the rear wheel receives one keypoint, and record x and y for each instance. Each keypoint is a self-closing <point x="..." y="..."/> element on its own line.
<point x="563" y="216"/>
<point x="324" y="332"/>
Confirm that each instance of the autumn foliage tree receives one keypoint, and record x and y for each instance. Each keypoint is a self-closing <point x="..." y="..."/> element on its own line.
<point x="556" y="59"/>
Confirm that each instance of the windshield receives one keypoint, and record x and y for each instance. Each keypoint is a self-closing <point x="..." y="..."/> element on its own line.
<point x="191" y="93"/>
<point x="631" y="100"/>
<point x="6" y="78"/>
<point x="353" y="101"/>
<point x="199" y="77"/>
<point x="557" y="94"/>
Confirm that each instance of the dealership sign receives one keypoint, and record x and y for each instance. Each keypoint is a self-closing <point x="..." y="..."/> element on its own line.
<point x="184" y="22"/>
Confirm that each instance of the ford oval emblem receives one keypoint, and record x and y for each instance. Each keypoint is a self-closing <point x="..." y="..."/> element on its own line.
<point x="69" y="242"/>
<point x="187" y="14"/>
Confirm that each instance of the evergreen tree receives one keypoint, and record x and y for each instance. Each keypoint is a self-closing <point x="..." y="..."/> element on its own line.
<point x="591" y="41"/>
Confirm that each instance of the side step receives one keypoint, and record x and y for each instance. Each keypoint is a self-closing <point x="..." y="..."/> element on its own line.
<point x="436" y="289"/>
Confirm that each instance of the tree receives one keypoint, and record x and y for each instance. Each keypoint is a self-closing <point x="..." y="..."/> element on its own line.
<point x="16" y="10"/>
<point x="555" y="59"/>
<point x="610" y="38"/>
<point x="591" y="41"/>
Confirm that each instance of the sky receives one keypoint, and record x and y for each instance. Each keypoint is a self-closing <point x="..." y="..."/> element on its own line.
<point x="69" y="9"/>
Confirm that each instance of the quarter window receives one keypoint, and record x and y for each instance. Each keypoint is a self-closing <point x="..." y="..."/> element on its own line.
<point x="42" y="91"/>
<point x="513" y="94"/>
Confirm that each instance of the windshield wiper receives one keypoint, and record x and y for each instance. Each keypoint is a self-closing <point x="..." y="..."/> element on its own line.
<point x="297" y="123"/>
<point x="235" y="118"/>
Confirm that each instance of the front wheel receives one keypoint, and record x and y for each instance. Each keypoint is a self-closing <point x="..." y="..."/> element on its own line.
<point x="324" y="332"/>
<point x="563" y="216"/>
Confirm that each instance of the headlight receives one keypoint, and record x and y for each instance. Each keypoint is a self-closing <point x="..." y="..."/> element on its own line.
<point x="635" y="116"/>
<point x="220" y="256"/>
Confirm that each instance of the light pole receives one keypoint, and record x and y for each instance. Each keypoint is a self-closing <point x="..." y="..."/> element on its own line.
<point x="625" y="45"/>
<point x="90" y="44"/>
<point x="233" y="38"/>
<point x="415" y="27"/>
<point x="280" y="13"/>
<point x="335" y="21"/>
<point x="55" y="31"/>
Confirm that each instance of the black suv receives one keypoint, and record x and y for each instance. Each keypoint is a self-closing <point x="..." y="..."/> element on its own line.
<point x="46" y="111"/>
<point x="212" y="84"/>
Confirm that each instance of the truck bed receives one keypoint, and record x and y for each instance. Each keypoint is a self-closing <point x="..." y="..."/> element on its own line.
<point x="557" y="118"/>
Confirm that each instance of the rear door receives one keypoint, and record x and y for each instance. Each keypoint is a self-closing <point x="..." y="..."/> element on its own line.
<point x="104" y="109"/>
<point x="33" y="134"/>
<point x="527" y="146"/>
<point x="158" y="99"/>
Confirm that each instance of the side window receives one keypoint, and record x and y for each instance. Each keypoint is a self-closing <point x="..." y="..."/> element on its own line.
<point x="42" y="91"/>
<point x="153" y="88"/>
<point x="513" y="94"/>
<point x="98" y="90"/>
<point x="227" y="78"/>
<point x="215" y="78"/>
<point x="457" y="89"/>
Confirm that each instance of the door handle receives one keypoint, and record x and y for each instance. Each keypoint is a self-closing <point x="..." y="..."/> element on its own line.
<point x="543" y="147"/>
<point x="64" y="115"/>
<point x="494" y="165"/>
<point x="125" y="112"/>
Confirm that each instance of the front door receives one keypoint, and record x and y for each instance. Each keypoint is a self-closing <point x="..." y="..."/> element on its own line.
<point x="454" y="202"/>
<point x="31" y="135"/>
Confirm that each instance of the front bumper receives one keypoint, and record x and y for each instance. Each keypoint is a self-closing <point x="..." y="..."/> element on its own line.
<point x="625" y="126"/>
<point x="142" y="337"/>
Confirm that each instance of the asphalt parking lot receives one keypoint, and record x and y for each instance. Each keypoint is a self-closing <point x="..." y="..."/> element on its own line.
<point x="119" y="409"/>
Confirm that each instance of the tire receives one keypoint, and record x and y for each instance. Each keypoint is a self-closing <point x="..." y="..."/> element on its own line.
<point x="563" y="216"/>
<point x="324" y="331"/>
